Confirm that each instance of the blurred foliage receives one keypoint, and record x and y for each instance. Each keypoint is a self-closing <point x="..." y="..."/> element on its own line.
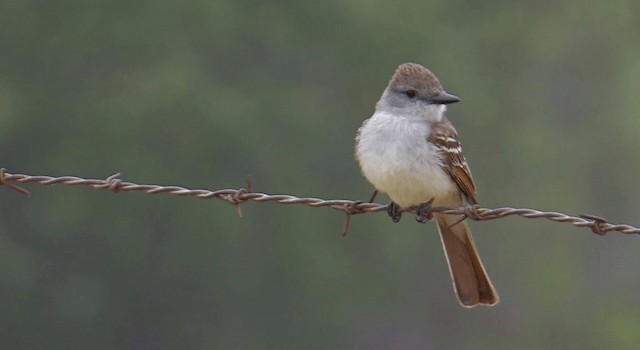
<point x="202" y="93"/>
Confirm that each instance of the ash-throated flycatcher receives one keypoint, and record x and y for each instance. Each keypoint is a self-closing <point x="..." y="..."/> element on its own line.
<point x="410" y="150"/>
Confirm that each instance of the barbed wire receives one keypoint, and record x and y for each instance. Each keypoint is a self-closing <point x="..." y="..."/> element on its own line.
<point x="236" y="197"/>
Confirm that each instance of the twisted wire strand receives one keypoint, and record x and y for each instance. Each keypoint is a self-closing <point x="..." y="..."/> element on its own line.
<point x="236" y="197"/>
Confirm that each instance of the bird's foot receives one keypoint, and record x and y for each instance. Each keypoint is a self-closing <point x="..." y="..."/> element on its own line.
<point x="423" y="213"/>
<point x="394" y="212"/>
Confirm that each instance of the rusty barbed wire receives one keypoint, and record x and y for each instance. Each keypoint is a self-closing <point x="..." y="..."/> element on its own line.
<point x="236" y="197"/>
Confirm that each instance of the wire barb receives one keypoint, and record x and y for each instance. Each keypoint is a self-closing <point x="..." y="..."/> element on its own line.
<point x="351" y="209"/>
<point x="597" y="224"/>
<point x="114" y="182"/>
<point x="4" y="181"/>
<point x="236" y="199"/>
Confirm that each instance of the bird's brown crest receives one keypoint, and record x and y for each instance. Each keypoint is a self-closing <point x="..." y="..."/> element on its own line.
<point x="415" y="76"/>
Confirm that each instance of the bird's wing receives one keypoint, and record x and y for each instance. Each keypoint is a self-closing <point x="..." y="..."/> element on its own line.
<point x="444" y="137"/>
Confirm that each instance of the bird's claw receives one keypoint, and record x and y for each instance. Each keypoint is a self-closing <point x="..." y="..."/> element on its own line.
<point x="423" y="213"/>
<point x="394" y="212"/>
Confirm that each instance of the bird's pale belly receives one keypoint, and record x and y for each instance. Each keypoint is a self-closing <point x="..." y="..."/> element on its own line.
<point x="410" y="182"/>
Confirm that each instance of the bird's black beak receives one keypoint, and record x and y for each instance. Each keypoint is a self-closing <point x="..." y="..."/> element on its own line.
<point x="444" y="99"/>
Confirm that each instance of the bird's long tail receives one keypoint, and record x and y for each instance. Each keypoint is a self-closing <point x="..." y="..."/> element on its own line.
<point x="470" y="280"/>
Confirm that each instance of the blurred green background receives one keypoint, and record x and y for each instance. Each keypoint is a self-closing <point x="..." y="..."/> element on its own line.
<point x="204" y="93"/>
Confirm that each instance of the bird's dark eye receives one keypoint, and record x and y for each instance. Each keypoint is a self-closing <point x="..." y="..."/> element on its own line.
<point x="411" y="93"/>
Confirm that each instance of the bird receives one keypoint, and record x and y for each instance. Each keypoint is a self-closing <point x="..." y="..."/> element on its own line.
<point x="410" y="150"/>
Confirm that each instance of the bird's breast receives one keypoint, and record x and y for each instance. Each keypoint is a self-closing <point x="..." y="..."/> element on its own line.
<point x="395" y="156"/>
